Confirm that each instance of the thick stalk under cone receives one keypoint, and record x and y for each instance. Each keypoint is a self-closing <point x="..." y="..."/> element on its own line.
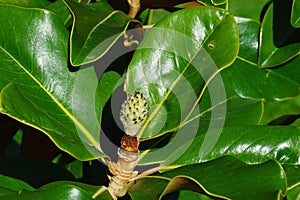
<point x="120" y="182"/>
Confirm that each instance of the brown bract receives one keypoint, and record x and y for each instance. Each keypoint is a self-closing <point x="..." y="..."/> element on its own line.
<point x="129" y="143"/>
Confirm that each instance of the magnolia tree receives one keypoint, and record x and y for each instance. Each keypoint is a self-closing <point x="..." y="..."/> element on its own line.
<point x="150" y="100"/>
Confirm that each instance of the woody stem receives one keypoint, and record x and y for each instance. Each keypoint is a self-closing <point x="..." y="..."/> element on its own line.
<point x="134" y="7"/>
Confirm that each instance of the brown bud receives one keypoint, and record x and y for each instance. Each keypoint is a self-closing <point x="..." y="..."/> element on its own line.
<point x="129" y="143"/>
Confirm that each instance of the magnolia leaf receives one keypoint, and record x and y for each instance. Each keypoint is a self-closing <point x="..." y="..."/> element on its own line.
<point x="62" y="190"/>
<point x="96" y="27"/>
<point x="295" y="18"/>
<point x="175" y="62"/>
<point x="253" y="10"/>
<point x="251" y="144"/>
<point x="269" y="54"/>
<point x="46" y="95"/>
<point x="224" y="178"/>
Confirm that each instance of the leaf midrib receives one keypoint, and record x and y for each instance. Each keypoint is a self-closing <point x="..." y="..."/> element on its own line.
<point x="90" y="33"/>
<point x="177" y="80"/>
<point x="76" y="122"/>
<point x="268" y="70"/>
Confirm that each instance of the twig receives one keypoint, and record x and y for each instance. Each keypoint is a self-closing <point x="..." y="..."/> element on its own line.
<point x="133" y="115"/>
<point x="134" y="7"/>
<point x="146" y="173"/>
<point x="99" y="192"/>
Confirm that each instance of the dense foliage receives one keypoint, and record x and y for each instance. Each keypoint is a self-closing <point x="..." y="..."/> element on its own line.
<point x="221" y="80"/>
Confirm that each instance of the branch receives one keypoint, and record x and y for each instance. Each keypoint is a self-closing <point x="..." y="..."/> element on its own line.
<point x="134" y="7"/>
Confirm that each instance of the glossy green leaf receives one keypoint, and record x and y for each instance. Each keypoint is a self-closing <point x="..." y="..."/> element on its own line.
<point x="293" y="175"/>
<point x="107" y="84"/>
<point x="248" y="31"/>
<point x="245" y="97"/>
<point x="296" y="123"/>
<point x="27" y="3"/>
<point x="268" y="84"/>
<point x="155" y="15"/>
<point x="143" y="17"/>
<point x="6" y="192"/>
<point x="251" y="9"/>
<point x="46" y="94"/>
<point x="148" y="188"/>
<point x="294" y="193"/>
<point x="226" y="177"/>
<point x="96" y="27"/>
<point x="13" y="184"/>
<point x="190" y="195"/>
<point x="295" y="19"/>
<point x="238" y="109"/>
<point x="293" y="180"/>
<point x="275" y="110"/>
<point x="261" y="84"/>
<point x="57" y="7"/>
<point x="75" y="168"/>
<point x="176" y="59"/>
<point x="61" y="11"/>
<point x="233" y="111"/>
<point x="238" y="112"/>
<point x="62" y="190"/>
<point x="269" y="54"/>
<point x="229" y="177"/>
<point x="251" y="144"/>
<point x="290" y="70"/>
